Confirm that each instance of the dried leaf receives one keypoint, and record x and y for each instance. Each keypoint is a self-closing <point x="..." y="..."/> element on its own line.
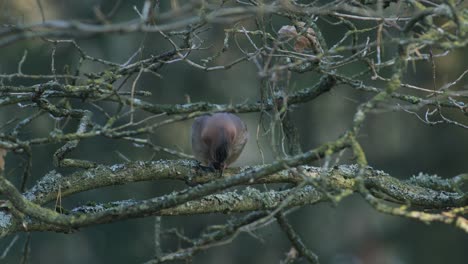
<point x="287" y="32"/>
<point x="305" y="42"/>
<point x="293" y="253"/>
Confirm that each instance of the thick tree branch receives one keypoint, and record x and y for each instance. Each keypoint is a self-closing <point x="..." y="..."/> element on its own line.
<point x="339" y="180"/>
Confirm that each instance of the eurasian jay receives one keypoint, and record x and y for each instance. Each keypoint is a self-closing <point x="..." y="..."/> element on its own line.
<point x="218" y="139"/>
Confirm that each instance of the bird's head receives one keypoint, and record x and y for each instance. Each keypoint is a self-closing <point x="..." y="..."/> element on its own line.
<point x="219" y="141"/>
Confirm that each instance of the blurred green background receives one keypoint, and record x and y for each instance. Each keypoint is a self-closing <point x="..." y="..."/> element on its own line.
<point x="351" y="232"/>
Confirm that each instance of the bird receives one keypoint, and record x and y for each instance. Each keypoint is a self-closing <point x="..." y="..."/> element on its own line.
<point x="218" y="139"/>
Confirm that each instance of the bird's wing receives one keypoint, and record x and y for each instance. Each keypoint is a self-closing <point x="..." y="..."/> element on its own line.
<point x="199" y="148"/>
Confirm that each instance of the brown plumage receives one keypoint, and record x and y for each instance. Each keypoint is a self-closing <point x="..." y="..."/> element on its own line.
<point x="218" y="139"/>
